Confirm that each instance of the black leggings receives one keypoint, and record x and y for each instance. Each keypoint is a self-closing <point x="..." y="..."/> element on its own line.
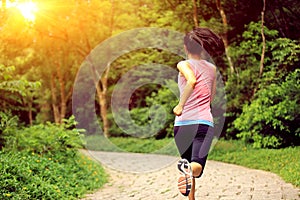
<point x="193" y="142"/>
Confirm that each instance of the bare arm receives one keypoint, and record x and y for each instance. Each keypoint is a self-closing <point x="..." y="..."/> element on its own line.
<point x="189" y="75"/>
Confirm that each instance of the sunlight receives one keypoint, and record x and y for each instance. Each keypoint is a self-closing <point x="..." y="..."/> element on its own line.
<point x="28" y="10"/>
<point x="8" y="4"/>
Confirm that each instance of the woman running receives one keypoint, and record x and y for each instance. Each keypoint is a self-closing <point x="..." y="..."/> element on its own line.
<point x="193" y="128"/>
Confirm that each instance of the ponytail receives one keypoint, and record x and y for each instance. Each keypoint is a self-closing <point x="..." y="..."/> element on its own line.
<point x="203" y="38"/>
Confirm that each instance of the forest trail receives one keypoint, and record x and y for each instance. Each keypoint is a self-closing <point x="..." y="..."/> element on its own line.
<point x="150" y="181"/>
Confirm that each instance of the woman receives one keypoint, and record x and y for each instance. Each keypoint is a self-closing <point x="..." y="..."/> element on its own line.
<point x="193" y="128"/>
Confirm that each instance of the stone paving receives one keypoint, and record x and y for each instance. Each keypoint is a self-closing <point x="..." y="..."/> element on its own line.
<point x="154" y="177"/>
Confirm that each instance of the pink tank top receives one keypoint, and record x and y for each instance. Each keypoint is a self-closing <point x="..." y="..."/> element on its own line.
<point x="197" y="108"/>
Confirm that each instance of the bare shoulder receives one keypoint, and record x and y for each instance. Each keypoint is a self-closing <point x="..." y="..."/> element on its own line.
<point x="183" y="65"/>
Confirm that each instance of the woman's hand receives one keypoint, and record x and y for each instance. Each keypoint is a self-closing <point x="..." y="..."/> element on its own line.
<point x="178" y="110"/>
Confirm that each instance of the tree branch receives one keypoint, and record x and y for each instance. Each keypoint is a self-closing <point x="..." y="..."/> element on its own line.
<point x="195" y="14"/>
<point x="261" y="68"/>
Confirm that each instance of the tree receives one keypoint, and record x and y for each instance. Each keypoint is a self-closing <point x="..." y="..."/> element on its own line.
<point x="118" y="12"/>
<point x="246" y="57"/>
<point x="281" y="58"/>
<point x="17" y="94"/>
<point x="52" y="48"/>
<point x="225" y="34"/>
<point x="63" y="49"/>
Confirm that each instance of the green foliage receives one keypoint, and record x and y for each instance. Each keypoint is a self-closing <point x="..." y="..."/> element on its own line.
<point x="284" y="54"/>
<point x="167" y="14"/>
<point x="167" y="100"/>
<point x="42" y="162"/>
<point x="16" y="93"/>
<point x="157" y="114"/>
<point x="281" y="58"/>
<point x="247" y="53"/>
<point x="246" y="57"/>
<point x="241" y="85"/>
<point x="45" y="138"/>
<point x="272" y="119"/>
<point x="8" y="124"/>
<point x="62" y="175"/>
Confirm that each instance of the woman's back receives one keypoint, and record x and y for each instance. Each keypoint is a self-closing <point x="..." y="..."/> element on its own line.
<point x="197" y="107"/>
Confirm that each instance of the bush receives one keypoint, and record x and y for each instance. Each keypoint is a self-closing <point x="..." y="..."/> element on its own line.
<point x="45" y="138"/>
<point x="42" y="162"/>
<point x="8" y="124"/>
<point x="281" y="58"/>
<point x="62" y="175"/>
<point x="272" y="119"/>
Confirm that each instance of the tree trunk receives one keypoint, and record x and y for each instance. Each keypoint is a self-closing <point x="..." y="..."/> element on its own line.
<point x="104" y="101"/>
<point x="30" y="112"/>
<point x="63" y="100"/>
<point x="195" y="14"/>
<point x="103" y="108"/>
<point x="54" y="101"/>
<point x="225" y="35"/>
<point x="27" y="103"/>
<point x="101" y="89"/>
<point x="59" y="94"/>
<point x="101" y="86"/>
<point x="103" y="105"/>
<point x="261" y="68"/>
<point x="262" y="58"/>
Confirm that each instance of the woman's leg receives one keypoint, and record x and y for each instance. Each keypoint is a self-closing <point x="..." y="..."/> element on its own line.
<point x="193" y="143"/>
<point x="192" y="192"/>
<point x="196" y="168"/>
<point x="197" y="171"/>
<point x="200" y="148"/>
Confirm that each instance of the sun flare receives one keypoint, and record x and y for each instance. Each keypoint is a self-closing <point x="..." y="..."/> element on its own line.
<point x="28" y="10"/>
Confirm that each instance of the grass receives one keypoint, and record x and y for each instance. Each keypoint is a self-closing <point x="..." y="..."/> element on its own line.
<point x="283" y="162"/>
<point x="130" y="144"/>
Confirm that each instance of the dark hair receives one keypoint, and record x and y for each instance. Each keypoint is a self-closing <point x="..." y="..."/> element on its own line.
<point x="203" y="38"/>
